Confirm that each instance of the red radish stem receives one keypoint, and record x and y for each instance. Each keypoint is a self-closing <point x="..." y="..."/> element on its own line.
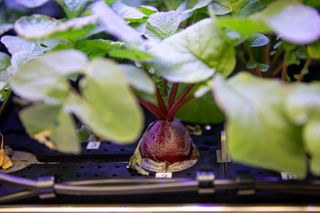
<point x="173" y="93"/>
<point x="153" y="109"/>
<point x="161" y="104"/>
<point x="177" y="106"/>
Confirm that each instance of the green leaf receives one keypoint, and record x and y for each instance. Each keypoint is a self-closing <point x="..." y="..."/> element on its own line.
<point x="31" y="3"/>
<point x="97" y="47"/>
<point x="220" y="9"/>
<point x="258" y="40"/>
<point x="128" y="13"/>
<point x="51" y="126"/>
<point x="5" y="27"/>
<point x="122" y="119"/>
<point x="162" y="25"/>
<point x="4" y="61"/>
<point x="303" y="109"/>
<point x="259" y="131"/>
<point x="74" y="8"/>
<point x="138" y="79"/>
<point x="43" y="79"/>
<point x="244" y="26"/>
<point x="131" y="54"/>
<point x="201" y="110"/>
<point x="192" y="63"/>
<point x="22" y="50"/>
<point x="37" y="27"/>
<point x="314" y="50"/>
<point x="147" y="10"/>
<point x="114" y="25"/>
<point x="200" y="4"/>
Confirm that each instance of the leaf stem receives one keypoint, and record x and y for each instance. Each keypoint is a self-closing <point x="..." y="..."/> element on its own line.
<point x="284" y="66"/>
<point x="266" y="54"/>
<point x="172" y="95"/>
<point x="179" y="102"/>
<point x="177" y="106"/>
<point x="305" y="66"/>
<point x="153" y="109"/>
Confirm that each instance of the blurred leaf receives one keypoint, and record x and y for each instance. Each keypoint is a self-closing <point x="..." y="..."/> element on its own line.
<point x="162" y="25"/>
<point x="138" y="79"/>
<point x="259" y="131"/>
<point x="194" y="63"/>
<point x="22" y="50"/>
<point x="44" y="79"/>
<point x="122" y="119"/>
<point x="201" y="110"/>
<point x="314" y="50"/>
<point x="74" y="8"/>
<point x="114" y="25"/>
<point x="4" y="61"/>
<point x="302" y="28"/>
<point x="31" y="3"/>
<point x="303" y="108"/>
<point x="41" y="27"/>
<point x="51" y="126"/>
<point x="5" y="27"/>
<point x="97" y="47"/>
<point x="258" y="40"/>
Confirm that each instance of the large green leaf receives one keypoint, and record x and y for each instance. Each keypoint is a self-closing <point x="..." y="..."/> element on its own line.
<point x="97" y="47"/>
<point x="162" y="25"/>
<point x="37" y="27"/>
<point x="314" y="50"/>
<point x="195" y="54"/>
<point x="201" y="110"/>
<point x="259" y="131"/>
<point x="110" y="109"/>
<point x="74" y="8"/>
<point x="51" y="126"/>
<point x="44" y="79"/>
<point x="303" y="108"/>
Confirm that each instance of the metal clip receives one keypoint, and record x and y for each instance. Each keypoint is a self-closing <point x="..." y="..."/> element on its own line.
<point x="46" y="187"/>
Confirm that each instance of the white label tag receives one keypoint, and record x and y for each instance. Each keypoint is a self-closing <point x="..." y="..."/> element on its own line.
<point x="287" y="176"/>
<point x="93" y="145"/>
<point x="164" y="175"/>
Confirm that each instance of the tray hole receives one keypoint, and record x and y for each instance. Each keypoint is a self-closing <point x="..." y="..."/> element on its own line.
<point x="99" y="167"/>
<point x="122" y="150"/>
<point x="114" y="175"/>
<point x="117" y="166"/>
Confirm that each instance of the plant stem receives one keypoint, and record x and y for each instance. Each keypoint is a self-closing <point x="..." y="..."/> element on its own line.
<point x="275" y="58"/>
<point x="266" y="54"/>
<point x="179" y="102"/>
<point x="172" y="95"/>
<point x="165" y="83"/>
<point x="153" y="109"/>
<point x="241" y="58"/>
<point x="277" y="70"/>
<point x="161" y="104"/>
<point x="250" y="54"/>
<point x="305" y="66"/>
<point x="284" y="66"/>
